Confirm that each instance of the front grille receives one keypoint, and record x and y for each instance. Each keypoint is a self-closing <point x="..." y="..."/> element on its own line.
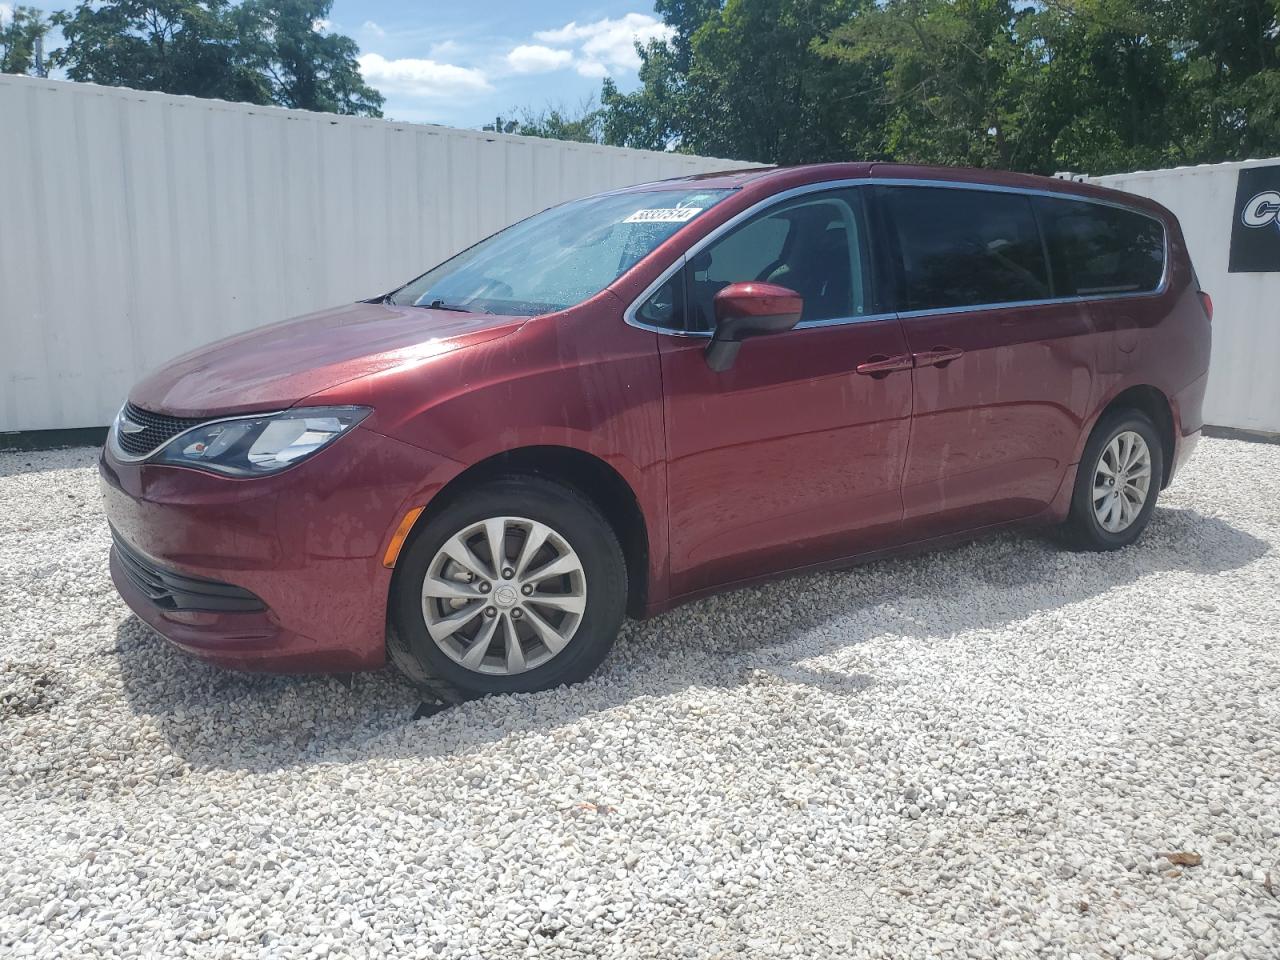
<point x="157" y="429"/>
<point x="175" y="591"/>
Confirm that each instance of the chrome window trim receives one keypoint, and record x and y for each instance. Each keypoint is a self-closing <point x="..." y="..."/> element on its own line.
<point x="114" y="446"/>
<point x="844" y="321"/>
<point x="1019" y="304"/>
<point x="629" y="315"/>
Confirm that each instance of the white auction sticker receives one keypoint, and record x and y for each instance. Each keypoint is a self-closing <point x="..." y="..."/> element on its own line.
<point x="664" y="215"/>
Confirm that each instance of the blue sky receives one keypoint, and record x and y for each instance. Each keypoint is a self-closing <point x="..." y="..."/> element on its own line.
<point x="463" y="63"/>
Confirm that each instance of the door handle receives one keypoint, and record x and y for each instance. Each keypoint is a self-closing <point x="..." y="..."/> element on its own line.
<point x="880" y="366"/>
<point x="938" y="356"/>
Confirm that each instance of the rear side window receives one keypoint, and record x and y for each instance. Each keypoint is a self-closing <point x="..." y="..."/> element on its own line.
<point x="962" y="248"/>
<point x="1097" y="249"/>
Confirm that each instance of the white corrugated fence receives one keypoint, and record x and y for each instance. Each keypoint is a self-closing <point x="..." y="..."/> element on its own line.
<point x="135" y="226"/>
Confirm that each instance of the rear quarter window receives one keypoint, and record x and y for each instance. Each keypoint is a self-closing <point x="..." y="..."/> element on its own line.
<point x="1098" y="249"/>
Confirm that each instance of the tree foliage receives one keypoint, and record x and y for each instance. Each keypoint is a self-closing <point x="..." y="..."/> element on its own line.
<point x="746" y="80"/>
<point x="174" y="46"/>
<point x="1096" y="85"/>
<point x="582" y="124"/>
<point x="951" y="76"/>
<point x="303" y="67"/>
<point x="258" y="51"/>
<point x="18" y="37"/>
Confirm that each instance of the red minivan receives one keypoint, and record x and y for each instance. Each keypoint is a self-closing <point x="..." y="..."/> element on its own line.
<point x="635" y="399"/>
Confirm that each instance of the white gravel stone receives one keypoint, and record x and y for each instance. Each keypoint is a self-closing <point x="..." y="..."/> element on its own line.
<point x="992" y="751"/>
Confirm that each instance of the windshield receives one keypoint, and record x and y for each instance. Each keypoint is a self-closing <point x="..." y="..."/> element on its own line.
<point x="558" y="257"/>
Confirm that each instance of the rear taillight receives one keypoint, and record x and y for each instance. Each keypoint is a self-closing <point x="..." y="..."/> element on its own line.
<point x="1207" y="302"/>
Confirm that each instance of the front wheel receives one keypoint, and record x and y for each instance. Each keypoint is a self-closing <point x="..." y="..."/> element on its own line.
<point x="1117" y="482"/>
<point x="517" y="586"/>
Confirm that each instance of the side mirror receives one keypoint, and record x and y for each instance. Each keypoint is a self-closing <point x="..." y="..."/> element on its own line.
<point x="749" y="310"/>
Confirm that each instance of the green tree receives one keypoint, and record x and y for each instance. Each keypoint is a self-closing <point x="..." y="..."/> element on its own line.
<point x="1039" y="85"/>
<point x="1134" y="84"/>
<point x="1230" y="50"/>
<point x="1111" y="91"/>
<point x="685" y="17"/>
<point x="654" y="116"/>
<point x="18" y="39"/>
<point x="555" y="122"/>
<point x="956" y="77"/>
<point x="260" y="51"/>
<point x="174" y="46"/>
<point x="746" y="80"/>
<point x="303" y="66"/>
<point x="1092" y="85"/>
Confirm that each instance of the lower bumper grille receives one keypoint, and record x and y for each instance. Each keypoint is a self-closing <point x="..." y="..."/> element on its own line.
<point x="175" y="591"/>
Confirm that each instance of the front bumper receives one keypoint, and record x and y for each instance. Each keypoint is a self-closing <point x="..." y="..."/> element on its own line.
<point x="307" y="543"/>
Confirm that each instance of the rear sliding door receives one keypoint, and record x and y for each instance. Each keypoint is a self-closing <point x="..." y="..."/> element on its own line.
<point x="1004" y="368"/>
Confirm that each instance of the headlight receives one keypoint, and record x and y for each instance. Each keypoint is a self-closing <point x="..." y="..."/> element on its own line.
<point x="257" y="446"/>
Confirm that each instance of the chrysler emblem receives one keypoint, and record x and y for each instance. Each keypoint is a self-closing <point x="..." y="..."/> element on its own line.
<point x="129" y="427"/>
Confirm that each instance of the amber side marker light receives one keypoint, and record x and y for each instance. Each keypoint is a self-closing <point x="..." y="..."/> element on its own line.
<point x="401" y="534"/>
<point x="1207" y="302"/>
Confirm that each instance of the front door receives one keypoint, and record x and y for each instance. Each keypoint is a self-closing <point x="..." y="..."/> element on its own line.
<point x="791" y="457"/>
<point x="1004" y="366"/>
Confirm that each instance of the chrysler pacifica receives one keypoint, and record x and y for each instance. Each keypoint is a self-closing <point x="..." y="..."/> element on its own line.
<point x="635" y="399"/>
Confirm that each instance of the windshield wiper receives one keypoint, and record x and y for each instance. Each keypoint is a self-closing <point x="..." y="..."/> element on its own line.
<point x="441" y="305"/>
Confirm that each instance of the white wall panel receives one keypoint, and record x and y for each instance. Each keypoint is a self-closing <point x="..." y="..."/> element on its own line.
<point x="1244" y="390"/>
<point x="135" y="226"/>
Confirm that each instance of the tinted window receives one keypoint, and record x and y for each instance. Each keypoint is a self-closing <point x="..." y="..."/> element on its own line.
<point x="961" y="248"/>
<point x="1098" y="249"/>
<point x="815" y="245"/>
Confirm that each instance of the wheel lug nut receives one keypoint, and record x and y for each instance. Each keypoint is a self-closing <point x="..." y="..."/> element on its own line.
<point x="490" y="611"/>
<point x="484" y="586"/>
<point x="527" y="589"/>
<point x="507" y="573"/>
<point x="517" y="613"/>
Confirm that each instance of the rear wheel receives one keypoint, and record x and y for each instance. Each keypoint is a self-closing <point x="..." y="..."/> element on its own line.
<point x="518" y="586"/>
<point x="1117" y="482"/>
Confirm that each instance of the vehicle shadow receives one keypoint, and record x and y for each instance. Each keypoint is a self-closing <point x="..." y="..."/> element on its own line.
<point x="764" y="635"/>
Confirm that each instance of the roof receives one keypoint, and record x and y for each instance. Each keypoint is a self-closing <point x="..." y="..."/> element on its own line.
<point x="768" y="180"/>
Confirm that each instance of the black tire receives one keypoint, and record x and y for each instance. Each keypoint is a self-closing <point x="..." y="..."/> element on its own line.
<point x="575" y="518"/>
<point x="1082" y="530"/>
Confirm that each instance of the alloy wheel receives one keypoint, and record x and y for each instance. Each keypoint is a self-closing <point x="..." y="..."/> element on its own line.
<point x="504" y="595"/>
<point x="1121" y="481"/>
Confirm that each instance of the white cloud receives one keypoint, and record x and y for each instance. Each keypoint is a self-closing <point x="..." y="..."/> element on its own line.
<point x="421" y="78"/>
<point x="371" y="27"/>
<point x="6" y="12"/>
<point x="445" y="48"/>
<point x="531" y="58"/>
<point x="607" y="44"/>
<point x="320" y="26"/>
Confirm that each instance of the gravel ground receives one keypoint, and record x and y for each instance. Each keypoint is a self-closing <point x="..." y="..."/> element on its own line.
<point x="998" y="750"/>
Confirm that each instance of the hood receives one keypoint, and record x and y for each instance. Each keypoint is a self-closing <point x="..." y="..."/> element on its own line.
<point x="274" y="367"/>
